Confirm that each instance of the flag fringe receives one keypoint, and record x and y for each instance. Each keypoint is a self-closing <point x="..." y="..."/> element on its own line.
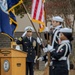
<point x="37" y="21"/>
<point x="15" y="5"/>
<point x="8" y="36"/>
<point x="12" y="21"/>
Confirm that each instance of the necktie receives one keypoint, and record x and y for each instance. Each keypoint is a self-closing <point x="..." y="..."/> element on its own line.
<point x="29" y="38"/>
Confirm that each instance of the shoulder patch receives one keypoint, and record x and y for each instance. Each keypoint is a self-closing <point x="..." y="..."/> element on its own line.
<point x="60" y="50"/>
<point x="20" y="39"/>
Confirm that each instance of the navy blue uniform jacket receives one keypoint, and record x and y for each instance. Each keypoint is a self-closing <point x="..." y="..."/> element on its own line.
<point x="28" y="46"/>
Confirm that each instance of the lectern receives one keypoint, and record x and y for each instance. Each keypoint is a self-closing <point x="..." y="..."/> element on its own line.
<point x="12" y="62"/>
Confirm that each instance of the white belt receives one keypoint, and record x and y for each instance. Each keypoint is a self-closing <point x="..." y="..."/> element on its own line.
<point x="62" y="58"/>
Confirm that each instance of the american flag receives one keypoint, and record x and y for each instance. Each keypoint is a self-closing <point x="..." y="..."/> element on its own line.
<point x="37" y="13"/>
<point x="41" y="27"/>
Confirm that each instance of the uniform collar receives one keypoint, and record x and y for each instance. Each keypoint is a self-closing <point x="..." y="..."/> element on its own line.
<point x="58" y="27"/>
<point x="30" y="38"/>
<point x="65" y="41"/>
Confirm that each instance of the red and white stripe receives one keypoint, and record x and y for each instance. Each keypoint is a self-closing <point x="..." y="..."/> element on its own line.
<point x="37" y="13"/>
<point x="41" y="26"/>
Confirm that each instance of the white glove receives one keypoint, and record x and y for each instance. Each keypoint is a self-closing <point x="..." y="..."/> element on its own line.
<point x="46" y="63"/>
<point x="46" y="29"/>
<point x="40" y="58"/>
<point x="17" y="47"/>
<point x="24" y="34"/>
<point x="50" y="48"/>
<point x="35" y="59"/>
<point x="45" y="49"/>
<point x="39" y="40"/>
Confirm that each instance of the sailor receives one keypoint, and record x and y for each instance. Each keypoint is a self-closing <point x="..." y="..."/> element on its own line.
<point x="55" y="40"/>
<point x="60" y="54"/>
<point x="29" y="45"/>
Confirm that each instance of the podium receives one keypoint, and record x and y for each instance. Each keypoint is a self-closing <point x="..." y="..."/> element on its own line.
<point x="12" y="62"/>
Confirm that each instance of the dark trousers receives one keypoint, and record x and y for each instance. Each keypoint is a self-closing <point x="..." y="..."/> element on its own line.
<point x="59" y="68"/>
<point x="29" y="68"/>
<point x="50" y="70"/>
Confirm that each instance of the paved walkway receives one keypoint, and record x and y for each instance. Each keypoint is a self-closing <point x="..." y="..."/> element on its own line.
<point x="38" y="72"/>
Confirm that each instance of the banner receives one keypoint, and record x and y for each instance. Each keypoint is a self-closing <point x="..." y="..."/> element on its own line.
<point x="8" y="21"/>
<point x="37" y="13"/>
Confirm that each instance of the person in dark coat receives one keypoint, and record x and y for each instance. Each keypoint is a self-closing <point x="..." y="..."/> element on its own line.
<point x="55" y="40"/>
<point x="60" y="54"/>
<point x="29" y="45"/>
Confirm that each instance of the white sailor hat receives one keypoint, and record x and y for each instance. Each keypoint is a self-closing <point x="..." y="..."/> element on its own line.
<point x="66" y="30"/>
<point x="58" y="18"/>
<point x="29" y="28"/>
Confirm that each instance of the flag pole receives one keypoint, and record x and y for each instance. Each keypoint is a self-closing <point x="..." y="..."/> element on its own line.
<point x="46" y="71"/>
<point x="47" y="35"/>
<point x="25" y="9"/>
